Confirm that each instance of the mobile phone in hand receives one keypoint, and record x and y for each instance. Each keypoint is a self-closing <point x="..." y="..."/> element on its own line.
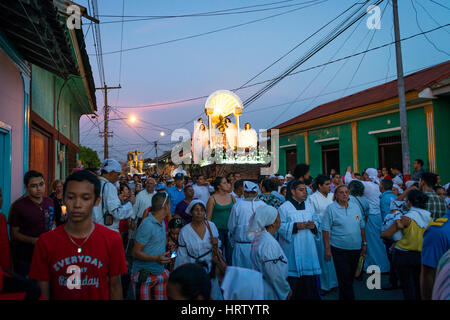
<point x="173" y="255"/>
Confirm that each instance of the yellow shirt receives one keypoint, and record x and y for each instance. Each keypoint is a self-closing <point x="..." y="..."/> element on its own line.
<point x="412" y="238"/>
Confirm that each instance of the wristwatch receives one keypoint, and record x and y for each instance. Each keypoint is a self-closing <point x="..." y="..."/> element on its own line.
<point x="364" y="243"/>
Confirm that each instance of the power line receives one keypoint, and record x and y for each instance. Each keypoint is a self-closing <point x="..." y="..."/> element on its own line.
<point x="440" y="4"/>
<point x="196" y="15"/>
<point x="318" y="74"/>
<point x="302" y="42"/>
<point x="319" y="46"/>
<point x="291" y="74"/>
<point x="332" y="79"/>
<point x="431" y="16"/>
<point x="213" y="31"/>
<point x="426" y="37"/>
<point x="368" y="45"/>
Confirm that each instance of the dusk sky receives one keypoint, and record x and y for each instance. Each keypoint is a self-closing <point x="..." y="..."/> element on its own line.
<point x="227" y="59"/>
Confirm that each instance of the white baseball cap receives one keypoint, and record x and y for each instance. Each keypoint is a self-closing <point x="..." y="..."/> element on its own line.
<point x="110" y="165"/>
<point x="280" y="177"/>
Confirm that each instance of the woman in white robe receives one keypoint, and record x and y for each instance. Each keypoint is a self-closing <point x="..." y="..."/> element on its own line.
<point x="319" y="201"/>
<point x="195" y="242"/>
<point x="238" y="225"/>
<point x="266" y="254"/>
<point x="297" y="236"/>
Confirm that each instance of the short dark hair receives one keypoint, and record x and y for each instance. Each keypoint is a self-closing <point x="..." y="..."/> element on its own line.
<point x="269" y="185"/>
<point x="387" y="184"/>
<point x="429" y="178"/>
<point x="419" y="161"/>
<point x="356" y="188"/>
<point x="31" y="174"/>
<point x="158" y="200"/>
<point x="418" y="199"/>
<point x="300" y="170"/>
<point x="238" y="184"/>
<point x="294" y="184"/>
<point x="123" y="186"/>
<point x="320" y="181"/>
<point x="192" y="280"/>
<point x="436" y="188"/>
<point x="84" y="175"/>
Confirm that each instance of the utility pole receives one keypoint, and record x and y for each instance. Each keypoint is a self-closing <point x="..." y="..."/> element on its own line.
<point x="401" y="95"/>
<point x="106" y="133"/>
<point x="156" y="150"/>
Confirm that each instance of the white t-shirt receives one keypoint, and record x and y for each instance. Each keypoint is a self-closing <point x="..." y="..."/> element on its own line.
<point x="201" y="192"/>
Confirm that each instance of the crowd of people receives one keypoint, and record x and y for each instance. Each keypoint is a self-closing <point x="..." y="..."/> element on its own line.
<point x="106" y="235"/>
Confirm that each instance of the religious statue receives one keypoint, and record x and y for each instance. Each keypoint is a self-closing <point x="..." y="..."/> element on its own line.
<point x="248" y="137"/>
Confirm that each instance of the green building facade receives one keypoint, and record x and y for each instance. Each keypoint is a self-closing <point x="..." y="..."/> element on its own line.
<point x="363" y="130"/>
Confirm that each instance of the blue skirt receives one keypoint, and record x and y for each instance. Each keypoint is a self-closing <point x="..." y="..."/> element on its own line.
<point x="376" y="250"/>
<point x="328" y="278"/>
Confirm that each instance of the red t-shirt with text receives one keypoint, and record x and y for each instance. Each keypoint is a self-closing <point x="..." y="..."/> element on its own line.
<point x="101" y="258"/>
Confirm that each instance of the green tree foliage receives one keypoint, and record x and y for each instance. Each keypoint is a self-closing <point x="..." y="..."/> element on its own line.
<point x="89" y="157"/>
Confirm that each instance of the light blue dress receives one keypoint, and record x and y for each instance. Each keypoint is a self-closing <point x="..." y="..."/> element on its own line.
<point x="328" y="277"/>
<point x="376" y="250"/>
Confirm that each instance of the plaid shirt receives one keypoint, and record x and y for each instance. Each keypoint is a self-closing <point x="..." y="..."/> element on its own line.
<point x="435" y="205"/>
<point x="270" y="200"/>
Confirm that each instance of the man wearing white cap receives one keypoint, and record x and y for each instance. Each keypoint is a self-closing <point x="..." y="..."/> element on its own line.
<point x="110" y="210"/>
<point x="238" y="225"/>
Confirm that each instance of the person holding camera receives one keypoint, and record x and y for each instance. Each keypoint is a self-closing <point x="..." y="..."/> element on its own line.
<point x="110" y="210"/>
<point x="149" y="276"/>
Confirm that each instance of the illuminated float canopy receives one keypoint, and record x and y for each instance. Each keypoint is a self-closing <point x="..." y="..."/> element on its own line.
<point x="221" y="140"/>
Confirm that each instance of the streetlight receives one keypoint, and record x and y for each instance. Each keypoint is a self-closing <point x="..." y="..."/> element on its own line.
<point x="162" y="134"/>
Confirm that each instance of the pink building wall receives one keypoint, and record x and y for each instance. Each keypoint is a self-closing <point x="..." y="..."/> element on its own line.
<point x="12" y="114"/>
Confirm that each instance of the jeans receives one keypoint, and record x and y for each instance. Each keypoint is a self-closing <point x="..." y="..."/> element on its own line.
<point x="408" y="265"/>
<point x="345" y="262"/>
<point x="226" y="247"/>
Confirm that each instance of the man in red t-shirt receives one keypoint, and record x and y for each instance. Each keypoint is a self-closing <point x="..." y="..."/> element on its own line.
<point x="80" y="260"/>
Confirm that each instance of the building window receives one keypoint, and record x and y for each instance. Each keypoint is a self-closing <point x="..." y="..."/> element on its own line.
<point x="390" y="152"/>
<point x="330" y="158"/>
<point x="291" y="160"/>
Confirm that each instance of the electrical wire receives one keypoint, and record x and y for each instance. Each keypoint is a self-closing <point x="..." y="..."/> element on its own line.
<point x="426" y="37"/>
<point x="212" y="31"/>
<point x="206" y="14"/>
<point x="319" y="46"/>
<point x="291" y="74"/>
<point x="440" y="4"/>
<point x="299" y="44"/>
<point x="431" y="16"/>
<point x="318" y="74"/>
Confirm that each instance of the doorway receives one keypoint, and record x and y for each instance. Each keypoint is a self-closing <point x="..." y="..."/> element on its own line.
<point x="330" y="158"/>
<point x="390" y="152"/>
<point x="39" y="154"/>
<point x="291" y="160"/>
